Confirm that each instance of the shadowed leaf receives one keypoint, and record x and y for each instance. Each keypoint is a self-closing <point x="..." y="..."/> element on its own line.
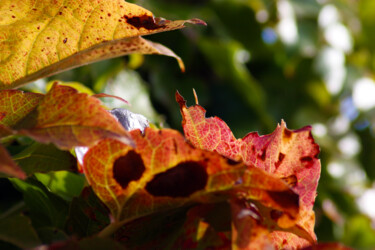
<point x="41" y="158"/>
<point x="39" y="38"/>
<point x="87" y="215"/>
<point x="45" y="208"/>
<point x="17" y="230"/>
<point x="8" y="166"/>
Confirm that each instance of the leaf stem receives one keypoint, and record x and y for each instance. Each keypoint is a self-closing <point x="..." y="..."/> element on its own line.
<point x="14" y="209"/>
<point x="110" y="229"/>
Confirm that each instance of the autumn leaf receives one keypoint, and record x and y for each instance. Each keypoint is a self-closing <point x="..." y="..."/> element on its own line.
<point x="163" y="172"/>
<point x="8" y="166"/>
<point x="286" y="154"/>
<point x="63" y="117"/>
<point x="14" y="106"/>
<point x="39" y="38"/>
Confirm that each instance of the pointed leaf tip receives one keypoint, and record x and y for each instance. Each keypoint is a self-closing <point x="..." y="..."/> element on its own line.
<point x="8" y="166"/>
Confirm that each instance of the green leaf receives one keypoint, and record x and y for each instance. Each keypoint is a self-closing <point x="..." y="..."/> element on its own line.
<point x="62" y="183"/>
<point x="17" y="230"/>
<point x="359" y="233"/>
<point x="87" y="215"/>
<point x="46" y="209"/>
<point x="129" y="85"/>
<point x="51" y="234"/>
<point x="44" y="158"/>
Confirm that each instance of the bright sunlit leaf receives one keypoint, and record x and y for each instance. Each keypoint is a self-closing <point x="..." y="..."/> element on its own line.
<point x="39" y="38"/>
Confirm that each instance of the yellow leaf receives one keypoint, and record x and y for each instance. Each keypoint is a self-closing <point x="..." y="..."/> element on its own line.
<point x="39" y="38"/>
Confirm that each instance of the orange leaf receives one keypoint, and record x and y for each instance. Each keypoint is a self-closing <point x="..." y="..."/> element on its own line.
<point x="163" y="171"/>
<point x="39" y="38"/>
<point x="8" y="166"/>
<point x="288" y="155"/>
<point x="63" y="116"/>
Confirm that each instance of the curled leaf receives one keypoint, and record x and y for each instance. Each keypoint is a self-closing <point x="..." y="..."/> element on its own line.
<point x="41" y="38"/>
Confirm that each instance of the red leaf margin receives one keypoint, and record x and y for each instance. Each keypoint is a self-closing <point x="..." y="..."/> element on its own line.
<point x="289" y="155"/>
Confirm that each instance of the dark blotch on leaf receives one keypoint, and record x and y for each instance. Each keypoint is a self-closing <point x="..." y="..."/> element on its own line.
<point x="180" y="181"/>
<point x="65" y="40"/>
<point x="291" y="180"/>
<point x="144" y="21"/>
<point x="286" y="199"/>
<point x="287" y="133"/>
<point x="275" y="214"/>
<point x="232" y="162"/>
<point x="263" y="155"/>
<point x="281" y="158"/>
<point x="128" y="168"/>
<point x="307" y="161"/>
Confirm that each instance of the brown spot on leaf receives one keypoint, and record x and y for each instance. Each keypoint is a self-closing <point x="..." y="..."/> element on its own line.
<point x="232" y="162"/>
<point x="262" y="156"/>
<point x="286" y="199"/>
<point x="287" y="134"/>
<point x="13" y="17"/>
<point x="280" y="160"/>
<point x="128" y="168"/>
<point x="65" y="40"/>
<point x="307" y="161"/>
<point x="144" y="21"/>
<point x="253" y="148"/>
<point x="291" y="180"/>
<point x="180" y="181"/>
<point x="175" y="146"/>
<point x="60" y="13"/>
<point x="276" y="214"/>
<point x="109" y="14"/>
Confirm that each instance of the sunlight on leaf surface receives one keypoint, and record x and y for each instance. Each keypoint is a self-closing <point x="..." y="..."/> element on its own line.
<point x="63" y="116"/>
<point x="39" y="38"/>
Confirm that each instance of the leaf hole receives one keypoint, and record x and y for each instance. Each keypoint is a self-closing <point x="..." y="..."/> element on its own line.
<point x="128" y="168"/>
<point x="180" y="181"/>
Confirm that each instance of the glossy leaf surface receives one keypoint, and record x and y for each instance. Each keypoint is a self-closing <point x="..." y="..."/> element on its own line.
<point x="41" y="37"/>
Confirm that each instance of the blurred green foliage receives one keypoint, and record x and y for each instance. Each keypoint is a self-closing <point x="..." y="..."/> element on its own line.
<point x="257" y="62"/>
